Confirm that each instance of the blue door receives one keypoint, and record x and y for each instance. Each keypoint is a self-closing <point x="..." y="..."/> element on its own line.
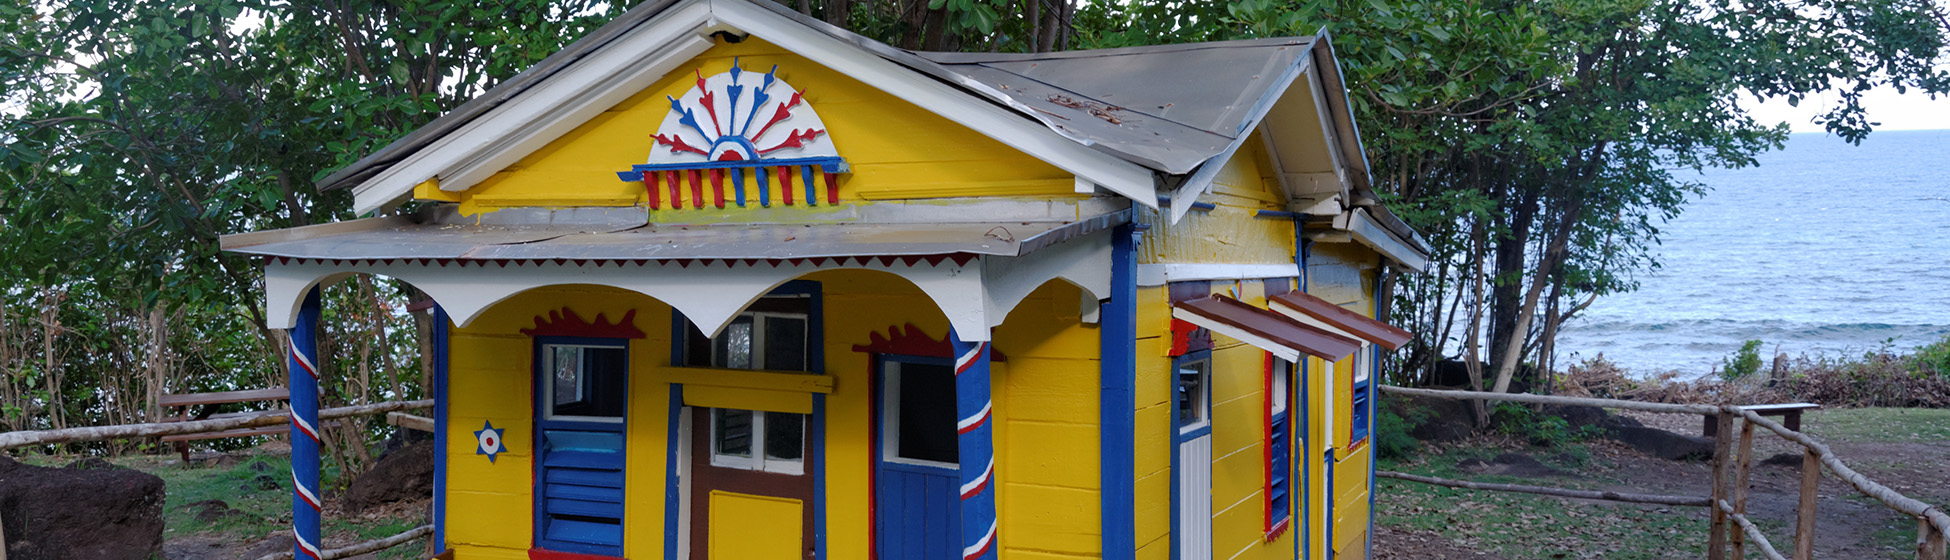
<point x="917" y="501"/>
<point x="582" y="384"/>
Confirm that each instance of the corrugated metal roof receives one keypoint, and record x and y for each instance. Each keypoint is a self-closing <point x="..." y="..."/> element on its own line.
<point x="398" y="238"/>
<point x="1167" y="107"/>
<point x="1175" y="106"/>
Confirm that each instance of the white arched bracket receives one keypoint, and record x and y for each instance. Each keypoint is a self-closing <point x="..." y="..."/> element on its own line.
<point x="1084" y="261"/>
<point x="709" y="292"/>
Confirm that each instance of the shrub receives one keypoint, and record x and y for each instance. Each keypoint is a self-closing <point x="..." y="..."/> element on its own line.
<point x="1542" y="430"/>
<point x="1391" y="438"/>
<point x="1743" y="364"/>
<point x="1933" y="358"/>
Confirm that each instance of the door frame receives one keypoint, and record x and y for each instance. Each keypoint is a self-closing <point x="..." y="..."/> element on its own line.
<point x="878" y="422"/>
<point x="538" y="393"/>
<point x="1179" y="437"/>
<point x="677" y="453"/>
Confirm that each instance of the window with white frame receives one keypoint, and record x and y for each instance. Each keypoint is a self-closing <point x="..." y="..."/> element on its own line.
<point x="585" y="381"/>
<point x="772" y="334"/>
<point x="1362" y="401"/>
<point x="918" y="421"/>
<point x="1193" y="398"/>
<point x="773" y="442"/>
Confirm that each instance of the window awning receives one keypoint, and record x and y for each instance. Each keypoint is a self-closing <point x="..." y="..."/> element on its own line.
<point x="1272" y="332"/>
<point x="1319" y="313"/>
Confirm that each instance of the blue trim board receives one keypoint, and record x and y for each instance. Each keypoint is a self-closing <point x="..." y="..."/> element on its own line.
<point x="1117" y="354"/>
<point x="826" y="165"/>
<point x="818" y="436"/>
<point x="1306" y="456"/>
<point x="672" y="494"/>
<point x="440" y="426"/>
<point x="1328" y="519"/>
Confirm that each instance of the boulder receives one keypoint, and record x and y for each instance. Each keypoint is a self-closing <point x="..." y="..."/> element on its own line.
<point x="1663" y="444"/>
<point x="1511" y="464"/>
<point x="405" y="474"/>
<point x="89" y="509"/>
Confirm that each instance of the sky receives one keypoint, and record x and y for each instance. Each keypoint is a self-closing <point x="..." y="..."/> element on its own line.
<point x="1896" y="111"/>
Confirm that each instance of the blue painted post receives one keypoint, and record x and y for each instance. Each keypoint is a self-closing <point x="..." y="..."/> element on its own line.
<point x="305" y="507"/>
<point x="974" y="406"/>
<point x="440" y="345"/>
<point x="1117" y="353"/>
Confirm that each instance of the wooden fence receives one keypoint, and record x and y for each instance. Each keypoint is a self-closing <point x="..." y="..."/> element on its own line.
<point x="1728" y="499"/>
<point x="11" y="440"/>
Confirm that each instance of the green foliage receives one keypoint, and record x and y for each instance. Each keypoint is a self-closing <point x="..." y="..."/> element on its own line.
<point x="1542" y="430"/>
<point x="1391" y="432"/>
<point x="1743" y="364"/>
<point x="1933" y="358"/>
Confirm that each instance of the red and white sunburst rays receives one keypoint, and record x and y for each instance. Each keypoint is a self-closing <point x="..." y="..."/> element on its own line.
<point x="974" y="437"/>
<point x="739" y="115"/>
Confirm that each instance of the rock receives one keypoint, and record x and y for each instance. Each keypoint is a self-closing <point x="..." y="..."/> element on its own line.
<point x="402" y="475"/>
<point x="1664" y="444"/>
<point x="91" y="509"/>
<point x="401" y="438"/>
<point x="1784" y="460"/>
<point x="1432" y="420"/>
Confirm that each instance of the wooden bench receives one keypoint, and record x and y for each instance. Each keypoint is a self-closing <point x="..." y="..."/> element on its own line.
<point x="1790" y="413"/>
<point x="210" y="403"/>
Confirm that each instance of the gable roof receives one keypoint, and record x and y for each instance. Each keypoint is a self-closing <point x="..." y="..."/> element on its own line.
<point x="1105" y="115"/>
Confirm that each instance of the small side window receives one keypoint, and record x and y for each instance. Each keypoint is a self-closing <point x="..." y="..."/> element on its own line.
<point x="773" y="442"/>
<point x="1193" y="392"/>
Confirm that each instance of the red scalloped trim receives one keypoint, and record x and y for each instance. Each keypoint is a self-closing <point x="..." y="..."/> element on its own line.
<point x="566" y="322"/>
<point x="911" y="341"/>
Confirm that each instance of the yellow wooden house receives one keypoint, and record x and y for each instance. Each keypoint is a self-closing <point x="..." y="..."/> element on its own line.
<point x="723" y="281"/>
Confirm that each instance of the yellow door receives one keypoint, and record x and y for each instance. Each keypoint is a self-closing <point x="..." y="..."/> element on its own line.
<point x="752" y="527"/>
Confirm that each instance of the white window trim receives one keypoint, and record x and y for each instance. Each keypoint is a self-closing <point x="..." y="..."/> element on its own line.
<point x="758" y="335"/>
<point x="582" y="380"/>
<point x="1282" y="386"/>
<point x="1204" y="404"/>
<point x="758" y="461"/>
<point x="890" y="430"/>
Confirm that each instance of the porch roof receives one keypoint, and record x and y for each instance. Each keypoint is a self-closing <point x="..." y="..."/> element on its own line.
<point x="623" y="235"/>
<point x="1269" y="331"/>
<point x="1303" y="307"/>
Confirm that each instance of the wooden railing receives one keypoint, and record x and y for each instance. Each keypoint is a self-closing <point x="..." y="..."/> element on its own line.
<point x="1728" y="501"/>
<point x="11" y="440"/>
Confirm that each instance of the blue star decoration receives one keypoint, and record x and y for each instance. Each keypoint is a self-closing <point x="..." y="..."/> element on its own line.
<point x="490" y="441"/>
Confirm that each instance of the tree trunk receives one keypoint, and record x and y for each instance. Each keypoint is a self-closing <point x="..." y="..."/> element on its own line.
<point x="158" y="361"/>
<point x="1512" y="256"/>
<point x="1473" y="348"/>
<point x="1546" y="266"/>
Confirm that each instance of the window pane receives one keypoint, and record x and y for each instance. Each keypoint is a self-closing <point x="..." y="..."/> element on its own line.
<point x="785" y="436"/>
<point x="785" y="343"/>
<point x="566" y="363"/>
<point x="1281" y="369"/>
<point x="733" y="432"/>
<point x="605" y="381"/>
<point x="734" y="345"/>
<point x="1191" y="393"/>
<point x="927" y="413"/>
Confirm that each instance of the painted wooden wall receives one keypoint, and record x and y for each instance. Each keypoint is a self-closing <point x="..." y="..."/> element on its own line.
<point x="1046" y="414"/>
<point x="896" y="149"/>
<point x="1344" y="274"/>
<point x="1229" y="233"/>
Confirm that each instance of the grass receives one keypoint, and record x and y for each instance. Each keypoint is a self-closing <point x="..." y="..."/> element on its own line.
<point x="1879" y="424"/>
<point x="1526" y="526"/>
<point x="258" y="490"/>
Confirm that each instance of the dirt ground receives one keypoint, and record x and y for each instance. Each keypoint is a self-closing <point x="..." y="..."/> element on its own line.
<point x="1848" y="524"/>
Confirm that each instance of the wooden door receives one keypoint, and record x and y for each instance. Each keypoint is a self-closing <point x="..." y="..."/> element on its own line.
<point x="917" y="500"/>
<point x="752" y="493"/>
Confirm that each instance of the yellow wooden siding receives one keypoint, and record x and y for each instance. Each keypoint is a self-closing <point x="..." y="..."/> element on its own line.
<point x="1048" y="465"/>
<point x="896" y="150"/>
<point x="1229" y="232"/>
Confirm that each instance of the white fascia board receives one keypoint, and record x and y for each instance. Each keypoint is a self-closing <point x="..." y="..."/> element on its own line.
<point x="1122" y="177"/>
<point x="1160" y="274"/>
<point x="465" y="156"/>
<point x="1365" y="231"/>
<point x="1201" y="179"/>
<point x="1309" y="320"/>
<point x="1284" y="352"/>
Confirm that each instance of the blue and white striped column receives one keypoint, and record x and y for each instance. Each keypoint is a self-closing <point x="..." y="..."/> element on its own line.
<point x="975" y="408"/>
<point x="305" y="506"/>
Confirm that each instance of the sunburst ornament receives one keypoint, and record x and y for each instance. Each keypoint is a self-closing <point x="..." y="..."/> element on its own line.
<point x="490" y="441"/>
<point x="737" y="122"/>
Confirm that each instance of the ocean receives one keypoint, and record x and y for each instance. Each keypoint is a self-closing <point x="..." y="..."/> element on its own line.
<point x="1823" y="249"/>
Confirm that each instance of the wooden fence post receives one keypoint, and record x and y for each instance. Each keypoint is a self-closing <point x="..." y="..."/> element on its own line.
<point x="1804" y="517"/>
<point x="1743" y="467"/>
<point x="1929" y="541"/>
<point x="1716" y="541"/>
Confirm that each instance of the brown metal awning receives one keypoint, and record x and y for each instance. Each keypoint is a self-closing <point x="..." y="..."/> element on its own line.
<point x="1281" y="335"/>
<point x="1301" y="306"/>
